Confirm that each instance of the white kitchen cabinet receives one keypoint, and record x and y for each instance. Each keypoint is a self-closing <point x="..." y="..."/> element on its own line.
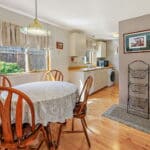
<point x="79" y="77"/>
<point x="90" y="44"/>
<point x="90" y="73"/>
<point x="77" y="44"/>
<point x="104" y="77"/>
<point x="100" y="78"/>
<point x="101" y="49"/>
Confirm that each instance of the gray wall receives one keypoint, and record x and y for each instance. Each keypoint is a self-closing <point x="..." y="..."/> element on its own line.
<point x="113" y="56"/>
<point x="127" y="26"/>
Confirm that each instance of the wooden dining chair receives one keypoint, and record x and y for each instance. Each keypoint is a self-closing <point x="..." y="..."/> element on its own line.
<point x="54" y="75"/>
<point x="4" y="81"/>
<point x="1" y="108"/>
<point x="81" y="108"/>
<point x="19" y="136"/>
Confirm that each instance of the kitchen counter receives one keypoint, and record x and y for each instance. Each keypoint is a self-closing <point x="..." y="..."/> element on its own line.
<point x="93" y="68"/>
<point x="83" y="69"/>
<point x="76" y="67"/>
<point x="100" y="77"/>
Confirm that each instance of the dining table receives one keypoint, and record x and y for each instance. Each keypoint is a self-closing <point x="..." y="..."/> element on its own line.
<point x="53" y="101"/>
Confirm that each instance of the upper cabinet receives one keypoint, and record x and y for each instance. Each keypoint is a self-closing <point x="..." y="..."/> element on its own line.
<point x="101" y="49"/>
<point x="77" y="44"/>
<point x="91" y="44"/>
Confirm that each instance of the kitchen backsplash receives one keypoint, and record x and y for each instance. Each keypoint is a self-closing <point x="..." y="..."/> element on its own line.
<point x="77" y="61"/>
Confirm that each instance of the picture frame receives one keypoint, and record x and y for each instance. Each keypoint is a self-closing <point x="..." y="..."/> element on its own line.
<point x="59" y="45"/>
<point x="136" y="42"/>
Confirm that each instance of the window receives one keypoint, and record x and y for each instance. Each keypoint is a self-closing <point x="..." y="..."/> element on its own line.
<point x="37" y="59"/>
<point x="16" y="59"/>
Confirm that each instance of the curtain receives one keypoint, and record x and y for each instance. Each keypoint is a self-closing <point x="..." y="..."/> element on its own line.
<point x="10" y="35"/>
<point x="34" y="63"/>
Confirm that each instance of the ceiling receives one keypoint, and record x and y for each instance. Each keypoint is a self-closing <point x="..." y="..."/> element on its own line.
<point x="98" y="18"/>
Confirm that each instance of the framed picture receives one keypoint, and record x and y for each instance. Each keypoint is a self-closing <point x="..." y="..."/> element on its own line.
<point x="59" y="45"/>
<point x="137" y="42"/>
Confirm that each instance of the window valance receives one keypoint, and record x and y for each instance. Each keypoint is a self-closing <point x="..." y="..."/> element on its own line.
<point x="10" y="35"/>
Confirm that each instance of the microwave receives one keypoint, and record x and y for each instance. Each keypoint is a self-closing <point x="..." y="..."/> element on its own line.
<point x="103" y="63"/>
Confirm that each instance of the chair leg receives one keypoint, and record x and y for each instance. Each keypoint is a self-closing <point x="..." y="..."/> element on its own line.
<point x="49" y="135"/>
<point x="59" y="134"/>
<point x="72" y="124"/>
<point x="85" y="122"/>
<point x="85" y="132"/>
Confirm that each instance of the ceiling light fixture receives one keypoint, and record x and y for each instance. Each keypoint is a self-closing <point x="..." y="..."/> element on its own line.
<point x="115" y="35"/>
<point x="35" y="28"/>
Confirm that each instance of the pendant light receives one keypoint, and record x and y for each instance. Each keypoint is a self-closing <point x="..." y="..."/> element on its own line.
<point x="35" y="28"/>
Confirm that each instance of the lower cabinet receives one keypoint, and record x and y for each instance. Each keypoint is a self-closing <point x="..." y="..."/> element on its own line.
<point x="100" y="78"/>
<point x="89" y="73"/>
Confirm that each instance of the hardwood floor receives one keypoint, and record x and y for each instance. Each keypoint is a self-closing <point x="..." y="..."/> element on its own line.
<point x="104" y="134"/>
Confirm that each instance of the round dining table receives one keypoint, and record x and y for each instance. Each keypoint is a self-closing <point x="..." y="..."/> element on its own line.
<point x="53" y="101"/>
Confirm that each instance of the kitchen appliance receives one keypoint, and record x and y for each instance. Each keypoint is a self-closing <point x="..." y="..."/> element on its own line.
<point x="111" y="77"/>
<point x="103" y="63"/>
<point x="106" y="63"/>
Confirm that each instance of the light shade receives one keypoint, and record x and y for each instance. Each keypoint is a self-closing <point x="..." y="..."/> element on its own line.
<point x="116" y="35"/>
<point x="35" y="28"/>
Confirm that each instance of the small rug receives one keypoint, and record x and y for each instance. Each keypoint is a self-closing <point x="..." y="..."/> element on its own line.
<point x="120" y="114"/>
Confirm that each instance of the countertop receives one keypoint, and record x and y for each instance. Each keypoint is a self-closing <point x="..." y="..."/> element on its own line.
<point x="85" y="69"/>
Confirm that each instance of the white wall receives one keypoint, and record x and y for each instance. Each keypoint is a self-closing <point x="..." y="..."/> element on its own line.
<point x="113" y="56"/>
<point x="127" y="26"/>
<point x="59" y="58"/>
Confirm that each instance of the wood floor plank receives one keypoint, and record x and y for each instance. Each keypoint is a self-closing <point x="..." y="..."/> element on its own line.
<point x="104" y="134"/>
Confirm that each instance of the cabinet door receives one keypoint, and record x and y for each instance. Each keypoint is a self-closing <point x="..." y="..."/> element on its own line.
<point x="100" y="77"/>
<point x="72" y="45"/>
<point x="97" y="78"/>
<point x="101" y="52"/>
<point x="77" y="44"/>
<point x="90" y="73"/>
<point x="77" y="78"/>
<point x="90" y="44"/>
<point x="82" y="45"/>
<point x="104" y="78"/>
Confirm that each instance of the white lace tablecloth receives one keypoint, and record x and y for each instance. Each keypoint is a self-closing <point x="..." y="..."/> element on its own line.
<point x="53" y="100"/>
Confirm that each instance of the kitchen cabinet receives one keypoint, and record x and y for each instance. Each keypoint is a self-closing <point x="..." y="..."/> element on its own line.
<point x="90" y="44"/>
<point x="90" y="73"/>
<point x="101" y="49"/>
<point x="104" y="77"/>
<point x="97" y="79"/>
<point x="79" y="77"/>
<point x="77" y="44"/>
<point x="100" y="78"/>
